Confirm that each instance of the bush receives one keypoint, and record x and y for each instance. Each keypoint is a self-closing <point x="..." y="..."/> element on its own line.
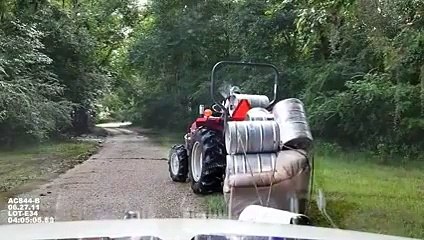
<point x="29" y="92"/>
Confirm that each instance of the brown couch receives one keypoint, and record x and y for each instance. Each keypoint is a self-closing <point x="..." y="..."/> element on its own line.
<point x="286" y="189"/>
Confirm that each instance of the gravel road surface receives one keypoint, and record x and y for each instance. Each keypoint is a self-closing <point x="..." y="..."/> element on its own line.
<point x="130" y="172"/>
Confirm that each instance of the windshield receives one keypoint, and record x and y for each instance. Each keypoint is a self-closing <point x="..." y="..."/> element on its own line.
<point x="107" y="111"/>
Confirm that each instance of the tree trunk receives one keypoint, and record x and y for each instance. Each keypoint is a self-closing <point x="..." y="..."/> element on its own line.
<point x="81" y="120"/>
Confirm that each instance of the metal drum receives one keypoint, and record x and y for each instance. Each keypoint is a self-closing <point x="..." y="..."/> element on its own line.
<point x="250" y="163"/>
<point x="294" y="128"/>
<point x="254" y="100"/>
<point x="252" y="137"/>
<point x="261" y="101"/>
<point x="259" y="114"/>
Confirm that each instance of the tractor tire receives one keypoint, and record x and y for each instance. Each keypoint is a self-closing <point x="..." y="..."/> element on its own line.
<point x="207" y="162"/>
<point x="178" y="163"/>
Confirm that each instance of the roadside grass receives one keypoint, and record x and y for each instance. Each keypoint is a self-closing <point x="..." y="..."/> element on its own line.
<point x="366" y="196"/>
<point x="39" y="162"/>
<point x="215" y="204"/>
<point x="361" y="193"/>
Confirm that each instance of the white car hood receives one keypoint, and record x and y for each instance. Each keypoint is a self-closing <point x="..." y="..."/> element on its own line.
<point x="175" y="229"/>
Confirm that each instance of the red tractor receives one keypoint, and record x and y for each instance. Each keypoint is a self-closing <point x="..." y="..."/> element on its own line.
<point x="203" y="156"/>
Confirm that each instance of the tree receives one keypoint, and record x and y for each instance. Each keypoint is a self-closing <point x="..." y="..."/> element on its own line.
<point x="357" y="65"/>
<point x="30" y="102"/>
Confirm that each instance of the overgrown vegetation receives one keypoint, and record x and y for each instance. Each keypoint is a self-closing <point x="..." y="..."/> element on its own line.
<point x="56" y="64"/>
<point x="357" y="65"/>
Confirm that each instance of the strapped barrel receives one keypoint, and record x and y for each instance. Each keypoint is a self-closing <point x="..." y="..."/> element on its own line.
<point x="252" y="137"/>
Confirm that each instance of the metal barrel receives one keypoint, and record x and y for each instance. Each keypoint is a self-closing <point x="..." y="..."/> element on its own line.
<point x="294" y="128"/>
<point x="250" y="163"/>
<point x="252" y="137"/>
<point x="261" y="101"/>
<point x="254" y="100"/>
<point x="259" y="114"/>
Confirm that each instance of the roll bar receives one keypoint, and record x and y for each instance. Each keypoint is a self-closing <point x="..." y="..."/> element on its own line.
<point x="263" y="65"/>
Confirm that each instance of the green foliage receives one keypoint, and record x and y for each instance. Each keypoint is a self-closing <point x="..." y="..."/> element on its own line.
<point x="29" y="93"/>
<point x="357" y="65"/>
<point x="55" y="63"/>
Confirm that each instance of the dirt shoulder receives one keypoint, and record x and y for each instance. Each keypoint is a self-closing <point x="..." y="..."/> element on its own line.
<point x="130" y="172"/>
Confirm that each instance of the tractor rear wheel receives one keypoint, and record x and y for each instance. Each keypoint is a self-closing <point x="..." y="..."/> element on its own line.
<point x="207" y="162"/>
<point x="178" y="163"/>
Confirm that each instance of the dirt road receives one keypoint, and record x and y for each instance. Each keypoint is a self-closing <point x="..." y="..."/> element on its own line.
<point x="130" y="172"/>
